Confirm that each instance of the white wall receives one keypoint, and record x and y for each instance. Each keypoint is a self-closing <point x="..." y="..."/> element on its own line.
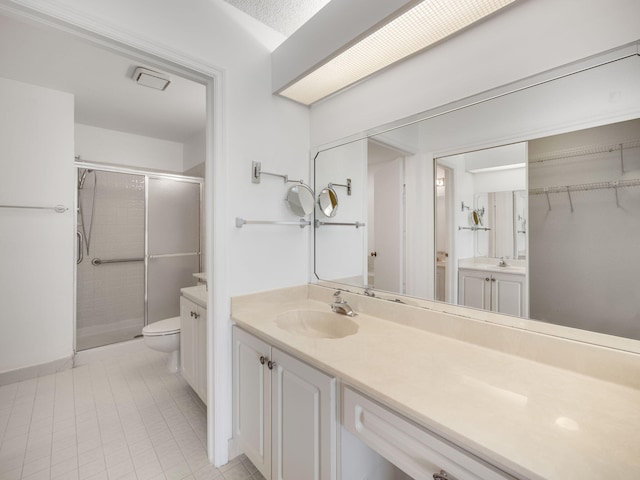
<point x="194" y="152"/>
<point x="527" y="38"/>
<point x="253" y="125"/>
<point x="101" y="145"/>
<point x="36" y="246"/>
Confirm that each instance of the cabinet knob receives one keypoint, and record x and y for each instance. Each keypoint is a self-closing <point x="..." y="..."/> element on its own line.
<point x="493" y="279"/>
<point x="271" y="365"/>
<point x="441" y="476"/>
<point x="487" y="279"/>
<point x="373" y="254"/>
<point x="262" y="359"/>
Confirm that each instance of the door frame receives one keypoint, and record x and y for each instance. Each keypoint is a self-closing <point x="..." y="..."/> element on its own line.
<point x="132" y="45"/>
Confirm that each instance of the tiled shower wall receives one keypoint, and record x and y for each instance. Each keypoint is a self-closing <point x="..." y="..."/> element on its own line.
<point x="110" y="298"/>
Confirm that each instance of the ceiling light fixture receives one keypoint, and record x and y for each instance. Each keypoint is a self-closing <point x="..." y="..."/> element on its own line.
<point x="149" y="78"/>
<point x="427" y="23"/>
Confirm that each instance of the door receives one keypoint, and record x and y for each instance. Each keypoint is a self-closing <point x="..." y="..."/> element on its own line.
<point x="173" y="239"/>
<point x="110" y="305"/>
<point x="388" y="211"/>
<point x="304" y="421"/>
<point x="474" y="289"/>
<point x="508" y="294"/>
<point x="252" y="399"/>
<point x="188" y="339"/>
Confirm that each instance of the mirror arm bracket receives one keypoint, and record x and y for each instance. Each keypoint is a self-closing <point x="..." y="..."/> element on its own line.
<point x="347" y="185"/>
<point x="256" y="172"/>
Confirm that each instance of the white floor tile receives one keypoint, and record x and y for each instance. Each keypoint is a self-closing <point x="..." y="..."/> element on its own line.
<point x="122" y="418"/>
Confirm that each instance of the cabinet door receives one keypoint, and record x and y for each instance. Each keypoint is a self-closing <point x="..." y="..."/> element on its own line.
<point x="474" y="289"/>
<point x="508" y="294"/>
<point x="304" y="421"/>
<point x="201" y="349"/>
<point x="252" y="399"/>
<point x="188" y="347"/>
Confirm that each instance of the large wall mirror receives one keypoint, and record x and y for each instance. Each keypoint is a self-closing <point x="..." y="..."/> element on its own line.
<point x="526" y="204"/>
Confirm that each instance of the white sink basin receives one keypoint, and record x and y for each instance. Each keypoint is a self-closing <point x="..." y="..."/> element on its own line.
<point x="316" y="324"/>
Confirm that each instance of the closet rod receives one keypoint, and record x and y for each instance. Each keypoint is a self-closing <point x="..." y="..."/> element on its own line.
<point x="57" y="208"/>
<point x="585" y="187"/>
<point x="584" y="151"/>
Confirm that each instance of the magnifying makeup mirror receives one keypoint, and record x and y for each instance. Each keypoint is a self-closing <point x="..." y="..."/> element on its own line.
<point x="300" y="200"/>
<point x="328" y="202"/>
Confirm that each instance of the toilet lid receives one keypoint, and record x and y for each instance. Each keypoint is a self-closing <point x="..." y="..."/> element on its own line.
<point x="162" y="327"/>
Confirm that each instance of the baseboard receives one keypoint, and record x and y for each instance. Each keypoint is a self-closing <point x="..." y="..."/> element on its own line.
<point x="109" y="351"/>
<point x="35" y="371"/>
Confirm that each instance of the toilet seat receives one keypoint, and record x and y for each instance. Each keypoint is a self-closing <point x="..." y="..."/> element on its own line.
<point x="168" y="326"/>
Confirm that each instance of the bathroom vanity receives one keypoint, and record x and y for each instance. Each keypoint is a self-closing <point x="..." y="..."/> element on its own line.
<point x="485" y="285"/>
<point x="427" y="391"/>
<point x="193" y="338"/>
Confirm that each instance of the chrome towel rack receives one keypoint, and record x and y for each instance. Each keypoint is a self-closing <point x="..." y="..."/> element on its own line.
<point x="240" y="222"/>
<point x="57" y="208"/>
<point x="320" y="223"/>
<point x="474" y="228"/>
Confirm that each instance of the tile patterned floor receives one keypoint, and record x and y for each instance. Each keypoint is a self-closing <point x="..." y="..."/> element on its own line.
<point x="122" y="419"/>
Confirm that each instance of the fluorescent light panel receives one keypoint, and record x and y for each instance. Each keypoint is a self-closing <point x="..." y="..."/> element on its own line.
<point x="425" y="24"/>
<point x="498" y="168"/>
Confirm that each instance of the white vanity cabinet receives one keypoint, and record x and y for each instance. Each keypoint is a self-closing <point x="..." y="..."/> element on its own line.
<point x="496" y="291"/>
<point x="284" y="412"/>
<point x="415" y="450"/>
<point x="193" y="346"/>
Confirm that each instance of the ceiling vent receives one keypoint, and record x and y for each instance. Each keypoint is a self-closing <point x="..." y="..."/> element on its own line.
<point x="149" y="78"/>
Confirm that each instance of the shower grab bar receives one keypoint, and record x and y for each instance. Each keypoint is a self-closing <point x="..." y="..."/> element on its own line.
<point x="98" y="261"/>
<point x="167" y="255"/>
<point x="57" y="208"/>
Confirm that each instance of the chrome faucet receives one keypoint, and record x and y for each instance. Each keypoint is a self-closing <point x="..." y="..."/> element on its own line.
<point x="339" y="305"/>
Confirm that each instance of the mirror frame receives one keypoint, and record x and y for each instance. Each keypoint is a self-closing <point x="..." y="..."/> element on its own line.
<point x="532" y="325"/>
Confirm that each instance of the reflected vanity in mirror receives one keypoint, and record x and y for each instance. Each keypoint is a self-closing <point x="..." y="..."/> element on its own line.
<point x="550" y="178"/>
<point x="483" y="268"/>
<point x="300" y="200"/>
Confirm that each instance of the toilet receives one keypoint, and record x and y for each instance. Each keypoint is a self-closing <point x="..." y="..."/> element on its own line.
<point x="164" y="336"/>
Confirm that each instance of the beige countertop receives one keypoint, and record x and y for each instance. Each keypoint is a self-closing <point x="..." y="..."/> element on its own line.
<point x="530" y="418"/>
<point x="197" y="294"/>
<point x="517" y="267"/>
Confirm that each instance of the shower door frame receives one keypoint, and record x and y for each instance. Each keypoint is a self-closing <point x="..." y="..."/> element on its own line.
<point x="98" y="167"/>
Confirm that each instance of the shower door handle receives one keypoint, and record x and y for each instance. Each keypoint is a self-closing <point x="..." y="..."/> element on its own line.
<point x="80" y="253"/>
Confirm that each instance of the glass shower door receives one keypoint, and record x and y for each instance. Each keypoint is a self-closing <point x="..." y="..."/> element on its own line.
<point x="173" y="243"/>
<point x="110" y="265"/>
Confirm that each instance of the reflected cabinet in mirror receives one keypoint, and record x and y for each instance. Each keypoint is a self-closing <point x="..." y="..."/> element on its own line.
<point x="526" y="204"/>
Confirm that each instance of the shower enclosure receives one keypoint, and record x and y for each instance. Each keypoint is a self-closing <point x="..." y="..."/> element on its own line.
<point x="138" y="243"/>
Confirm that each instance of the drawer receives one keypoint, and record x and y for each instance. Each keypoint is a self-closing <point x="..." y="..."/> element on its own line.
<point x="413" y="449"/>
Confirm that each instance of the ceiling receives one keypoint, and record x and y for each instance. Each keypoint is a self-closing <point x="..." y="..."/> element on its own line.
<point x="100" y="80"/>
<point x="284" y="16"/>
